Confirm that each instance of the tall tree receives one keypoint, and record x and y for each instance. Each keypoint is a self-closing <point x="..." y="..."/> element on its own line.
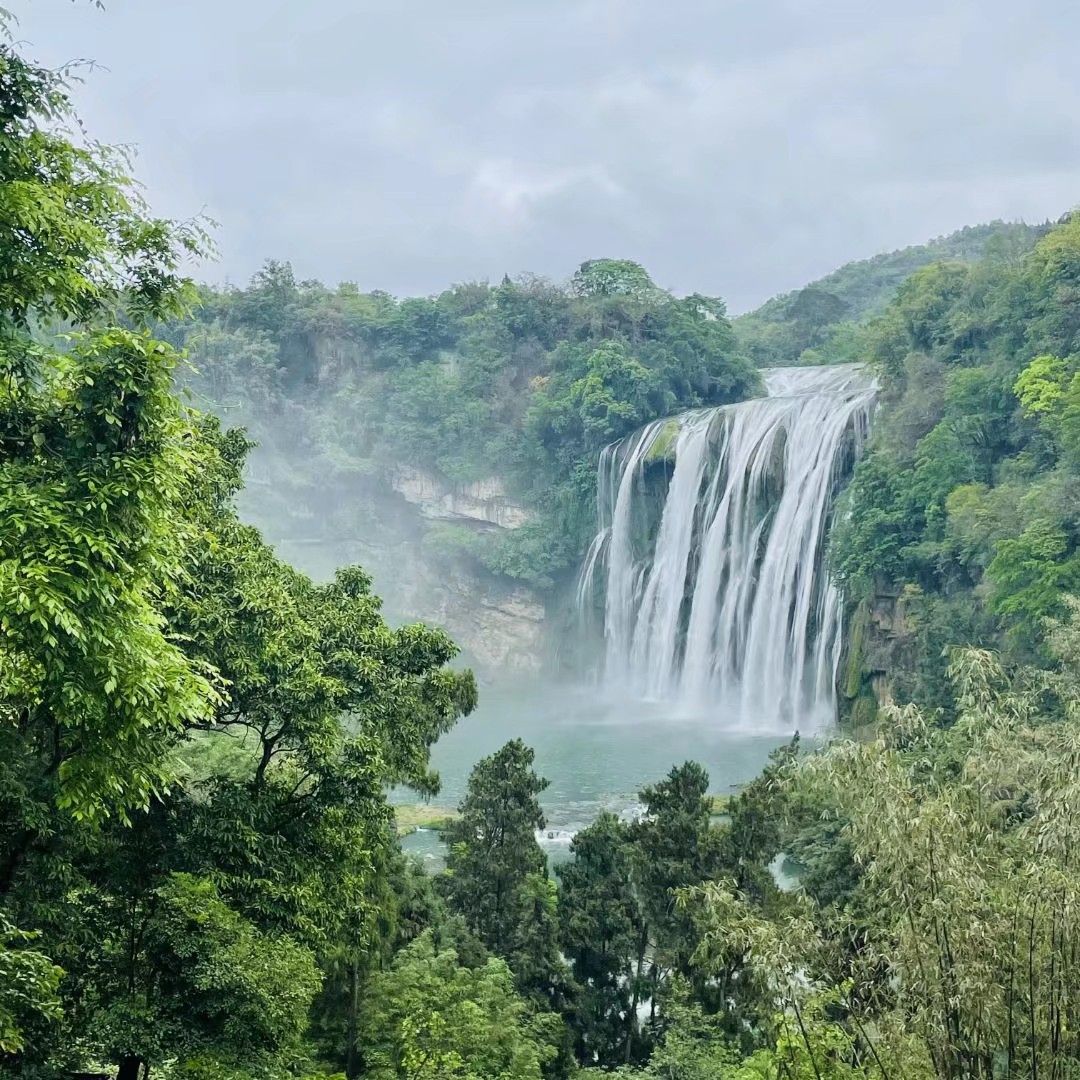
<point x="603" y="933"/>
<point x="967" y="837"/>
<point x="496" y="874"/>
<point x="281" y="824"/>
<point x="493" y="847"/>
<point x="96" y="465"/>
<point x="195" y="740"/>
<point x="675" y="847"/>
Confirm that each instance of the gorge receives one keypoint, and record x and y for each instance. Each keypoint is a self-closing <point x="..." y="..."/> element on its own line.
<point x="708" y="592"/>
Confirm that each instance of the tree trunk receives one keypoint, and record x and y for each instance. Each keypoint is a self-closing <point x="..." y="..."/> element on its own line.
<point x="18" y="846"/>
<point x="130" y="1067"/>
<point x="352" y="1063"/>
<point x="631" y="1025"/>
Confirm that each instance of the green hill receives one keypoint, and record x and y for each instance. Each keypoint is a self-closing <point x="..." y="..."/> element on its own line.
<point x="815" y="324"/>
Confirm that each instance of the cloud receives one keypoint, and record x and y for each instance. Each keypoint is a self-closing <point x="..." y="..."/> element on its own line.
<point x="734" y="149"/>
<point x="506" y="194"/>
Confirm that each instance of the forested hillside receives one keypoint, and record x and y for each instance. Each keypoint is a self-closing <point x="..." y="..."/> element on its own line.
<point x="450" y="442"/>
<point x="819" y="324"/>
<point x="525" y="381"/>
<point x="508" y="391"/>
<point x="963" y="519"/>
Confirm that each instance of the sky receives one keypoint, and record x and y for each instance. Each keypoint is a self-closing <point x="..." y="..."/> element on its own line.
<point x="736" y="149"/>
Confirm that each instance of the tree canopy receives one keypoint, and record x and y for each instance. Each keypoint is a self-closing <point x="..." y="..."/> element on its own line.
<point x="965" y="505"/>
<point x="525" y="380"/>
<point x="195" y="740"/>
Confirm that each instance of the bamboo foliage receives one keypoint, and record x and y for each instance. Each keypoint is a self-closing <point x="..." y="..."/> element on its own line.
<point x="965" y="838"/>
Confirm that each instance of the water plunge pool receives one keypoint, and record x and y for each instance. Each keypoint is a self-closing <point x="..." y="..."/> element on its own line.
<point x="597" y="755"/>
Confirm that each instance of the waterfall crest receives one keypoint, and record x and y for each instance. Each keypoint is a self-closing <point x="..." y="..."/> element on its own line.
<point x="710" y="549"/>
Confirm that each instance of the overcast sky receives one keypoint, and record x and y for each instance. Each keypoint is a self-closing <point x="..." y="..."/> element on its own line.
<point x="736" y="149"/>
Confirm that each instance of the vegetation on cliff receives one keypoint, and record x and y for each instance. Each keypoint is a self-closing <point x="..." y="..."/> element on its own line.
<point x="820" y="324"/>
<point x="963" y="522"/>
<point x="525" y="379"/>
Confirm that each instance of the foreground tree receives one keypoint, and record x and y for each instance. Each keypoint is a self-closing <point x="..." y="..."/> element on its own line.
<point x="29" y="982"/>
<point x="675" y="847"/>
<point x="195" y="740"/>
<point x="968" y="896"/>
<point x="496" y="870"/>
<point x="496" y="879"/>
<point x="432" y="1017"/>
<point x="96" y="464"/>
<point x="211" y="989"/>
<point x="280" y="830"/>
<point x="602" y="930"/>
<point x="329" y="704"/>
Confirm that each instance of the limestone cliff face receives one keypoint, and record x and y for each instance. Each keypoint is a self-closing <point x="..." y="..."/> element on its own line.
<point x="879" y="641"/>
<point x="321" y="512"/>
<point x="382" y="522"/>
<point x="500" y="629"/>
<point x="484" y="502"/>
<point x="499" y="626"/>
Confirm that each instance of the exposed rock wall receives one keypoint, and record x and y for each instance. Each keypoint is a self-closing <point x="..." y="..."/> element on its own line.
<point x="482" y="503"/>
<point x="499" y="628"/>
<point x="879" y="640"/>
<point x="382" y="523"/>
<point x="322" y="512"/>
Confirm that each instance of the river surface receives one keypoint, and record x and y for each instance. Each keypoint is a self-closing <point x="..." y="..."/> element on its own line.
<point x="597" y="755"/>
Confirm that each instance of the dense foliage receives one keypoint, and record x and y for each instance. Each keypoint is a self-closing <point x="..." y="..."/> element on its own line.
<point x="198" y="871"/>
<point x="609" y="958"/>
<point x="964" y="520"/>
<point x="820" y="323"/>
<point x="194" y="739"/>
<point x="933" y="929"/>
<point x="522" y="382"/>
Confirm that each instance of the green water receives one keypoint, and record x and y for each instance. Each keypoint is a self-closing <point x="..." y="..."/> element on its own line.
<point x="597" y="755"/>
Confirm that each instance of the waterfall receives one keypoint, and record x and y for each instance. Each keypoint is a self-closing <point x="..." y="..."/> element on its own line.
<point x="712" y="529"/>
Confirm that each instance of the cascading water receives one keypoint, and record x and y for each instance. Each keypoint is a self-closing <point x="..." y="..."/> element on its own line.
<point x="725" y="606"/>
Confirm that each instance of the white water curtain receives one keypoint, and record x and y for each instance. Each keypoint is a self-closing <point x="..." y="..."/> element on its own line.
<point x="729" y="610"/>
